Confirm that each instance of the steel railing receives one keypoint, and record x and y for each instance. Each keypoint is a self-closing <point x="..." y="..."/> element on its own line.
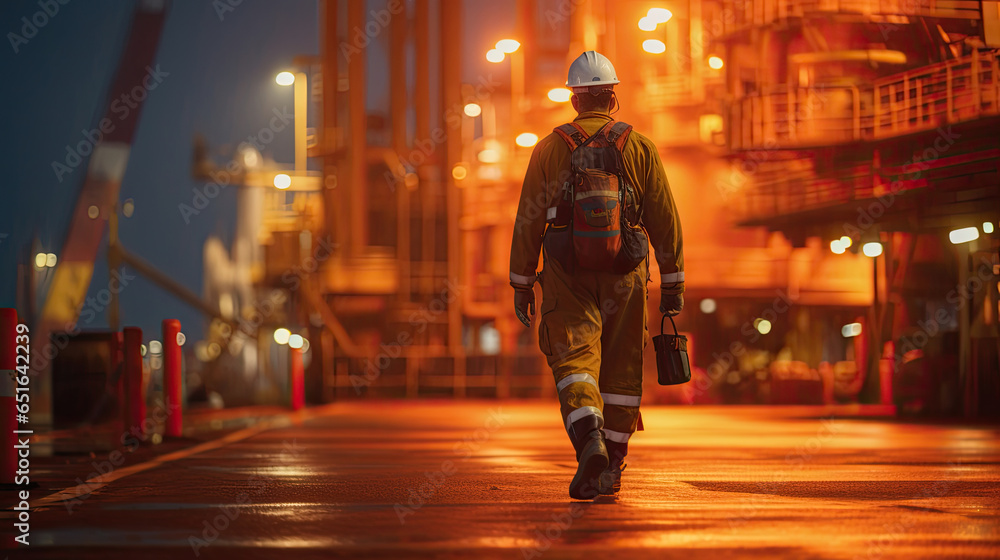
<point x="741" y="14"/>
<point x="950" y="92"/>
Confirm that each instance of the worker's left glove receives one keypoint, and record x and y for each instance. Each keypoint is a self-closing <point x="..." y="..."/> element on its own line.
<point x="524" y="303"/>
<point x="672" y="298"/>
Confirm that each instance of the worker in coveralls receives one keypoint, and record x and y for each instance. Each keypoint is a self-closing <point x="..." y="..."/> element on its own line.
<point x="593" y="318"/>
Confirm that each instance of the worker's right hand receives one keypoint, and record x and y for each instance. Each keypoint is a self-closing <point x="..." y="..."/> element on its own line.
<point x="524" y="303"/>
<point x="672" y="299"/>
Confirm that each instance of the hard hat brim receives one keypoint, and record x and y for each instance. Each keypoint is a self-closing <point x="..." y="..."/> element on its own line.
<point x="589" y="84"/>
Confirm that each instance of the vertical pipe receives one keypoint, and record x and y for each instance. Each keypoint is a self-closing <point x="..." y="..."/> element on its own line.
<point x="114" y="263"/>
<point x="422" y="106"/>
<point x="300" y="107"/>
<point x="451" y="97"/>
<point x="358" y="188"/>
<point x="969" y="399"/>
<point x="135" y="403"/>
<point x="333" y="198"/>
<point x="297" y="374"/>
<point x="117" y="371"/>
<point x="8" y="389"/>
<point x="172" y="393"/>
<point x="399" y="110"/>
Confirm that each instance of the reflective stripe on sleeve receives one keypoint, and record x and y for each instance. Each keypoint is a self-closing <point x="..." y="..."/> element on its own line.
<point x="672" y="277"/>
<point x="522" y="279"/>
<point x="618" y="437"/>
<point x="621" y="400"/>
<point x="584" y="411"/>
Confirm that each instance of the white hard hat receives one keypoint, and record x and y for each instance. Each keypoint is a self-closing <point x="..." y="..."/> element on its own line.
<point x="591" y="69"/>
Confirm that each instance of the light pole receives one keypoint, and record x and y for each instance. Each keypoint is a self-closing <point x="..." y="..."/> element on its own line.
<point x="300" y="106"/>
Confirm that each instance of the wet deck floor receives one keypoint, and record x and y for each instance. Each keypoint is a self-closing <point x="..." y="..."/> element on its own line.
<point x="489" y="479"/>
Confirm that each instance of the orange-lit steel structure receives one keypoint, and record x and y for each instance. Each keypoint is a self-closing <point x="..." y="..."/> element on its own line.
<point x="810" y="111"/>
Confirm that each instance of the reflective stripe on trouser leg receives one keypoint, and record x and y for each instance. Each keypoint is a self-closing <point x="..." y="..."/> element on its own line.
<point x="622" y="340"/>
<point x="583" y="412"/>
<point x="620" y="437"/>
<point x="575" y="378"/>
<point x="624" y="410"/>
<point x="621" y="400"/>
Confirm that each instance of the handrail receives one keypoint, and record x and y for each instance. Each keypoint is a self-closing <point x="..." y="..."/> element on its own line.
<point x="921" y="99"/>
<point x="746" y="13"/>
<point x="918" y="99"/>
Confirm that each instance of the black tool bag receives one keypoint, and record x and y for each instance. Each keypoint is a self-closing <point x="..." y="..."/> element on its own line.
<point x="672" y="365"/>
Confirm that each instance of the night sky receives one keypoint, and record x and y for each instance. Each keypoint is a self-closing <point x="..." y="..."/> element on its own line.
<point x="220" y="84"/>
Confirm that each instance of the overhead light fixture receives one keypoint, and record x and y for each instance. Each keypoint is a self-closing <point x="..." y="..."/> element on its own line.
<point x="560" y="94"/>
<point x="659" y="15"/>
<point x="507" y="46"/>
<point x="495" y="55"/>
<point x="837" y="246"/>
<point x="282" y="181"/>
<point x="654" y="46"/>
<point x="963" y="235"/>
<point x="282" y="335"/>
<point x="473" y="109"/>
<point x="851" y="330"/>
<point x="526" y="139"/>
<point x="872" y="249"/>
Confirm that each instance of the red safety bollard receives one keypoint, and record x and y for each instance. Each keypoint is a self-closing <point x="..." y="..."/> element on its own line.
<point x="172" y="377"/>
<point x="8" y="389"/>
<point x="135" y="400"/>
<point x="297" y="379"/>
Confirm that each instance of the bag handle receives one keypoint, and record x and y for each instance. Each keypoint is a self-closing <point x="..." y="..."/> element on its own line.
<point x="665" y="316"/>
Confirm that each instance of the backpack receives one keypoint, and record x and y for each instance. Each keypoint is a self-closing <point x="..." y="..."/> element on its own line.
<point x="596" y="222"/>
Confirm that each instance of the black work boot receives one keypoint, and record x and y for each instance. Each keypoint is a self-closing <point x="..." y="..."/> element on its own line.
<point x="611" y="479"/>
<point x="591" y="455"/>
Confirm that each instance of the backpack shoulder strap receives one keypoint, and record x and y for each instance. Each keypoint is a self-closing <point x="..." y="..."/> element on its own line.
<point x="618" y="134"/>
<point x="572" y="133"/>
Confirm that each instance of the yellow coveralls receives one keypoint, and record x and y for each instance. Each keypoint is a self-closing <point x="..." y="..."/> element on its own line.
<point x="593" y="324"/>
